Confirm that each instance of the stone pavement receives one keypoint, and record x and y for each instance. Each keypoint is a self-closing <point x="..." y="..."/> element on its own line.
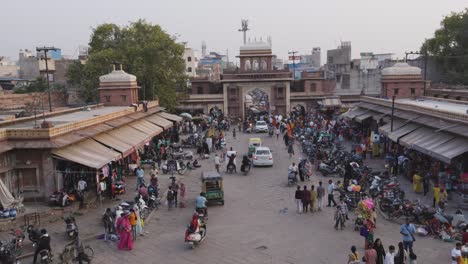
<point x="257" y="224"/>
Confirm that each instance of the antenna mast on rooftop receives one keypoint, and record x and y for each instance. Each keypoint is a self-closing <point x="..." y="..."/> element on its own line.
<point x="245" y="28"/>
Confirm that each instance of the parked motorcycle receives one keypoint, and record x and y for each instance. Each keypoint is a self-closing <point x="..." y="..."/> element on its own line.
<point x="17" y="241"/>
<point x="71" y="228"/>
<point x="7" y="256"/>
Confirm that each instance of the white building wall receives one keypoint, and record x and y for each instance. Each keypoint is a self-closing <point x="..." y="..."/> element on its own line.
<point x="191" y="61"/>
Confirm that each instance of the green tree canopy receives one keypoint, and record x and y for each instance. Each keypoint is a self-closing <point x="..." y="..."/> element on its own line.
<point x="449" y="47"/>
<point x="144" y="50"/>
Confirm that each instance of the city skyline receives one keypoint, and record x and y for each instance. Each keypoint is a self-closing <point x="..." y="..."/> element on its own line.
<point x="393" y="27"/>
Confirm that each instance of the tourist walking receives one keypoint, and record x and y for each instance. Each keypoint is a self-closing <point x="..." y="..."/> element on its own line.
<point x="407" y="230"/>
<point x="379" y="248"/>
<point x="124" y="230"/>
<point x="140" y="173"/>
<point x="370" y="256"/>
<point x="320" y="195"/>
<point x="330" y="190"/>
<point x="298" y="196"/>
<point x="401" y="256"/>
<point x="353" y="257"/>
<point x="313" y="198"/>
<point x="390" y="255"/>
<point x="305" y="199"/>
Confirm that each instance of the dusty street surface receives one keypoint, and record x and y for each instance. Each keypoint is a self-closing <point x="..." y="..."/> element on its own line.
<point x="258" y="224"/>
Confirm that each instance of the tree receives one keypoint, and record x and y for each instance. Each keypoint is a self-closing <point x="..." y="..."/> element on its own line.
<point x="144" y="50"/>
<point x="38" y="86"/>
<point x="449" y="47"/>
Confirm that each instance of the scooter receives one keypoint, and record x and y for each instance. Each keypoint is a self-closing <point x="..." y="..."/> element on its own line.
<point x="45" y="256"/>
<point x="17" y="241"/>
<point x="71" y="228"/>
<point x="292" y="179"/>
<point x="245" y="168"/>
<point x="231" y="168"/>
<point x="193" y="238"/>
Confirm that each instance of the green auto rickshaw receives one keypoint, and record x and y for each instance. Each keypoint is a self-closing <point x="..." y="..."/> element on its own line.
<point x="212" y="186"/>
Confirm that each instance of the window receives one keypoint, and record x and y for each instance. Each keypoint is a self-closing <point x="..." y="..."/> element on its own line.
<point x="338" y="78"/>
<point x="395" y="91"/>
<point x="124" y="98"/>
<point x="189" y="69"/>
<point x="313" y="87"/>
<point x="189" y="59"/>
<point x="458" y="98"/>
<point x="280" y="93"/>
<point x="107" y="98"/>
<point x="199" y="90"/>
<point x="413" y="91"/>
<point x="346" y="82"/>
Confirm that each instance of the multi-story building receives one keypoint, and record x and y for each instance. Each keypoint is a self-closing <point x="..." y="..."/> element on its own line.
<point x="313" y="59"/>
<point x="191" y="62"/>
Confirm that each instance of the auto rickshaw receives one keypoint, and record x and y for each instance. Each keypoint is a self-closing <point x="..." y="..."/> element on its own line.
<point x="253" y="144"/>
<point x="212" y="186"/>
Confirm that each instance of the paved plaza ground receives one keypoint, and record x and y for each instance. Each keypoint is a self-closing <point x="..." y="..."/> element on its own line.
<point x="258" y="224"/>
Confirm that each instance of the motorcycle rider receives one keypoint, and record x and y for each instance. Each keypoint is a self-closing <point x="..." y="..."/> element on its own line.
<point x="293" y="168"/>
<point x="42" y="244"/>
<point x="231" y="155"/>
<point x="201" y="204"/>
<point x="245" y="163"/>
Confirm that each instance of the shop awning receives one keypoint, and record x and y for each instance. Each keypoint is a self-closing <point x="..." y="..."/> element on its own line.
<point x="89" y="153"/>
<point x="157" y="120"/>
<point x="402" y="131"/>
<point x="385" y="129"/>
<point x="363" y="117"/>
<point x="422" y="133"/>
<point x="130" y="135"/>
<point x="352" y="113"/>
<point x="451" y="149"/>
<point x="170" y="116"/>
<point x="114" y="143"/>
<point x="331" y="102"/>
<point x="146" y="127"/>
<point x="433" y="140"/>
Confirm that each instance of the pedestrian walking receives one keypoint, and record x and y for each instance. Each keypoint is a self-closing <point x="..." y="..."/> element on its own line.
<point x="330" y="190"/>
<point x="407" y="230"/>
<point x="370" y="256"/>
<point x="402" y="255"/>
<point x="353" y="257"/>
<point x="313" y="198"/>
<point x="234" y="133"/>
<point x="436" y="191"/>
<point x="139" y="224"/>
<point x="175" y="189"/>
<point x="133" y="222"/>
<point x="140" y="173"/>
<point x="217" y="162"/>
<point x="457" y="254"/>
<point x="379" y="248"/>
<point x="390" y="256"/>
<point x="301" y="170"/>
<point x="320" y="195"/>
<point x="182" y="192"/>
<point x="305" y="199"/>
<point x="291" y="149"/>
<point x="277" y="133"/>
<point x="426" y="183"/>
<point x="298" y="196"/>
<point x="413" y="258"/>
<point x="124" y="230"/>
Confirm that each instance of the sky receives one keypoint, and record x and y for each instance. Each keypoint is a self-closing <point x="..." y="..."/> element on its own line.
<point x="375" y="26"/>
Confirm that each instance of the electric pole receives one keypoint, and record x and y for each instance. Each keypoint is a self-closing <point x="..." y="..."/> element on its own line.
<point x="244" y="29"/>
<point x="294" y="66"/>
<point x="45" y="50"/>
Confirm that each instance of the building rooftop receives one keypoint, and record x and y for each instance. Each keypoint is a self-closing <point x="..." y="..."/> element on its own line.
<point x="401" y="68"/>
<point x="459" y="108"/>
<point x="117" y="76"/>
<point x="67" y="118"/>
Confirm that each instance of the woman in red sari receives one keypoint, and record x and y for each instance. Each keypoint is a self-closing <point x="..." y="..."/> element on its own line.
<point x="124" y="230"/>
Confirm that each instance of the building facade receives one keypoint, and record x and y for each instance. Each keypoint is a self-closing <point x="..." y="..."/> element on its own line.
<point x="402" y="81"/>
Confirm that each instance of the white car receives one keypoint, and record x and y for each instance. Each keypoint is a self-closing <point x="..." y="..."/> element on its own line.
<point x="261" y="126"/>
<point x="262" y="157"/>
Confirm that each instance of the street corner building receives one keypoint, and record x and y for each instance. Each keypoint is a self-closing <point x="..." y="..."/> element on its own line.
<point x="53" y="151"/>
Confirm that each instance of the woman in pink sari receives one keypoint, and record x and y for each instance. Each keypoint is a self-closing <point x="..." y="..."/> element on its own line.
<point x="124" y="230"/>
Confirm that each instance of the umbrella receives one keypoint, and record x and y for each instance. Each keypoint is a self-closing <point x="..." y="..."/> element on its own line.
<point x="186" y="115"/>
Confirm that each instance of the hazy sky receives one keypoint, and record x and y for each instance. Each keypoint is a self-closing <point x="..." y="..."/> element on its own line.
<point x="392" y="26"/>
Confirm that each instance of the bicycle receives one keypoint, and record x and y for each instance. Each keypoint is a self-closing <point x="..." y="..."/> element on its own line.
<point x="73" y="253"/>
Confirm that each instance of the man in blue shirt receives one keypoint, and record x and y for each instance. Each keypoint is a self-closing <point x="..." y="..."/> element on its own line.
<point x="201" y="203"/>
<point x="140" y="173"/>
<point x="331" y="197"/>
<point x="407" y="230"/>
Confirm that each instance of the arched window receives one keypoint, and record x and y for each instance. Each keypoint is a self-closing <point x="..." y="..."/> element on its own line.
<point x="255" y="65"/>
<point x="189" y="69"/>
<point x="247" y="65"/>
<point x="189" y="59"/>
<point x="263" y="65"/>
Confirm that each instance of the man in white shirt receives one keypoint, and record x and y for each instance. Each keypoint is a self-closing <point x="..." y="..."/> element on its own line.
<point x="82" y="185"/>
<point x="456" y="253"/>
<point x="390" y="256"/>
<point x="217" y="161"/>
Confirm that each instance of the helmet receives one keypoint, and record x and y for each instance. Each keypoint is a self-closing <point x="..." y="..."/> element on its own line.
<point x="43" y="231"/>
